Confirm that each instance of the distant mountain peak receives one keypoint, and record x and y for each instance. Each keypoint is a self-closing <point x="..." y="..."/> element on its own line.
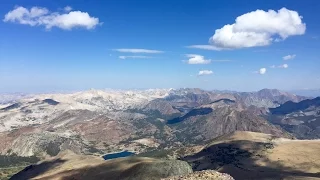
<point x="271" y="92"/>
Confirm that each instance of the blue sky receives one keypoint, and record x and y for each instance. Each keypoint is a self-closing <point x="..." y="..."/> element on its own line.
<point x="106" y="44"/>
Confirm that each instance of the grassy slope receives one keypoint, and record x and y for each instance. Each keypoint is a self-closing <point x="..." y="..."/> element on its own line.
<point x="10" y="165"/>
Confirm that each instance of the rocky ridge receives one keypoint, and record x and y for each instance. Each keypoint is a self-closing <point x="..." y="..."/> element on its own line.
<point x="202" y="175"/>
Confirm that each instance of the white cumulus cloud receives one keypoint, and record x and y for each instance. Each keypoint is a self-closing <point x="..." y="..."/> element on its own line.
<point x="256" y="28"/>
<point x="205" y="72"/>
<point x="283" y="66"/>
<point x="150" y="51"/>
<point x="197" y="59"/>
<point x="289" y="57"/>
<point x="134" y="57"/>
<point x="40" y="16"/>
<point x="262" y="71"/>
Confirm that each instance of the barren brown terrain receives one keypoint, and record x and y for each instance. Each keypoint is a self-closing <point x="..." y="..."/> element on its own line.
<point x="68" y="165"/>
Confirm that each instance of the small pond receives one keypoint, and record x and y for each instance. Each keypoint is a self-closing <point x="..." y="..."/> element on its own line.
<point x="117" y="155"/>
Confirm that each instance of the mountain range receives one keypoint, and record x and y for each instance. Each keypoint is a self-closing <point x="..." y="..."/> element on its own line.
<point x="97" y="122"/>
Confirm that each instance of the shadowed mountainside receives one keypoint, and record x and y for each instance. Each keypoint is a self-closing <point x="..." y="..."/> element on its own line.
<point x="193" y="112"/>
<point x="51" y="101"/>
<point x="302" y="119"/>
<point x="207" y="123"/>
<point x="248" y="155"/>
<point x="290" y="106"/>
<point x="10" y="107"/>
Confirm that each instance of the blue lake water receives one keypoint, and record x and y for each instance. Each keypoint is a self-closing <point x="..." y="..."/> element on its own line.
<point x="117" y="155"/>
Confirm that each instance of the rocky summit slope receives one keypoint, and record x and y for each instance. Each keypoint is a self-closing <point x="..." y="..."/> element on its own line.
<point x="68" y="165"/>
<point x="249" y="155"/>
<point x="202" y="175"/>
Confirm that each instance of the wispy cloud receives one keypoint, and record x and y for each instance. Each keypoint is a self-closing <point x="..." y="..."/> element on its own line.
<point x="134" y="57"/>
<point x="205" y="72"/>
<point x="67" y="8"/>
<point x="206" y="47"/>
<point x="289" y="57"/>
<point x="40" y="16"/>
<point x="284" y="66"/>
<point x="147" y="51"/>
